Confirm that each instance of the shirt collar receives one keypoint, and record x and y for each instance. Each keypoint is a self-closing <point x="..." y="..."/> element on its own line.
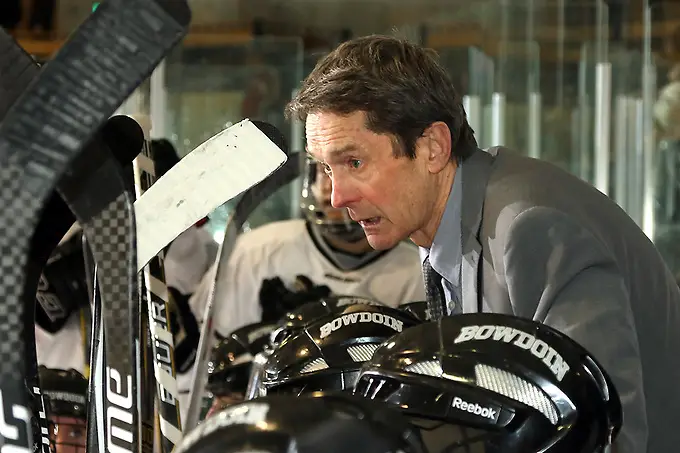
<point x="445" y="252"/>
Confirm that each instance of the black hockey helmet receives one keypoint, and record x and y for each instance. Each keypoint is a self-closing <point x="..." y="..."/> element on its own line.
<point x="231" y="359"/>
<point x="327" y="354"/>
<point x="65" y="391"/>
<point x="495" y="384"/>
<point x="328" y="423"/>
<point x="296" y="320"/>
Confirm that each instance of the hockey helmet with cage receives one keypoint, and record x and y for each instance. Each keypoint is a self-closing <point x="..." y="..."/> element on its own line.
<point x="319" y="422"/>
<point x="316" y="206"/>
<point x="65" y="392"/>
<point x="495" y="383"/>
<point x="231" y="358"/>
<point x="327" y="354"/>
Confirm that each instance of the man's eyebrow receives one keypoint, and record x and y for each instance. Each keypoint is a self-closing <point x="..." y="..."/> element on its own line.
<point x="338" y="152"/>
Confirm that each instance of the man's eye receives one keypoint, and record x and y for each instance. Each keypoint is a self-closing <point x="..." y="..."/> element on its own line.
<point x="355" y="163"/>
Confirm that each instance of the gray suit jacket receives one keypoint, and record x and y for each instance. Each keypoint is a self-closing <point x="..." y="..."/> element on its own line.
<point x="540" y="243"/>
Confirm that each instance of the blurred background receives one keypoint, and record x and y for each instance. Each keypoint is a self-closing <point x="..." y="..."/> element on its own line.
<point x="592" y="86"/>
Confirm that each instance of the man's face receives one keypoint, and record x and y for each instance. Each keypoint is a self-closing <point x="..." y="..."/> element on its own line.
<point x="69" y="434"/>
<point x="391" y="197"/>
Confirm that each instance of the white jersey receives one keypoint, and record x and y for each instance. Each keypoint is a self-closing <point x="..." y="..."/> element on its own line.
<point x="62" y="349"/>
<point x="188" y="258"/>
<point x="285" y="250"/>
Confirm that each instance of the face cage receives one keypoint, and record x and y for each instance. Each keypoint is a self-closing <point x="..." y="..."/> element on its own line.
<point x="346" y="229"/>
<point x="333" y="380"/>
<point x="230" y="380"/>
<point x="76" y="431"/>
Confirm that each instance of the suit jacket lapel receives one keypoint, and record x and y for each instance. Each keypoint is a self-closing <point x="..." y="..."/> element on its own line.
<point x="475" y="177"/>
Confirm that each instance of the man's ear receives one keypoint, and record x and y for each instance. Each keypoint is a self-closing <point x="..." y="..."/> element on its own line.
<point x="436" y="142"/>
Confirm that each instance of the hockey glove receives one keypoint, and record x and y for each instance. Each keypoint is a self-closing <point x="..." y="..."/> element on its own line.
<point x="276" y="300"/>
<point x="62" y="289"/>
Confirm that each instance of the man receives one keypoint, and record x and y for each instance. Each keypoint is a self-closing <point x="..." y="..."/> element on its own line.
<point x="283" y="264"/>
<point x="498" y="232"/>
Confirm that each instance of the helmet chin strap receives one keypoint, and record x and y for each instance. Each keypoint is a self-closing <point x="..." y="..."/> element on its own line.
<point x="344" y="233"/>
<point x="345" y="261"/>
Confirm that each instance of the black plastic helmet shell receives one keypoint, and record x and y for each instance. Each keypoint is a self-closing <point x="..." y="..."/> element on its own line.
<point x="475" y="369"/>
<point x="329" y="423"/>
<point x="231" y="359"/>
<point x="306" y="314"/>
<point x="333" y="348"/>
<point x="66" y="391"/>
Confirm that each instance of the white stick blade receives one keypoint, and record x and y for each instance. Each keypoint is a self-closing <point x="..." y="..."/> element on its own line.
<point x="218" y="170"/>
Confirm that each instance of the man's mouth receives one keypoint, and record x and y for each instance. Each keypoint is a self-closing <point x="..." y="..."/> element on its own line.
<point x="369" y="222"/>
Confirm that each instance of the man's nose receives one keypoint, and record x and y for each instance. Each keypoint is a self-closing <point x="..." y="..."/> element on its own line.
<point x="343" y="194"/>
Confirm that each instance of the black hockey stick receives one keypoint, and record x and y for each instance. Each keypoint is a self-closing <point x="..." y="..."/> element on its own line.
<point x="17" y="69"/>
<point x="244" y="208"/>
<point x="156" y="301"/>
<point x="97" y="69"/>
<point x="96" y="191"/>
<point x="55" y="222"/>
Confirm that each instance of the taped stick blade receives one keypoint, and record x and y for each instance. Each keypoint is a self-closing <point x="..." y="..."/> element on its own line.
<point x="218" y="170"/>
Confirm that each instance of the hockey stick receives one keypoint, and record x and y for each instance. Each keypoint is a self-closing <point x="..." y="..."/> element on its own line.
<point x="17" y="69"/>
<point x="224" y="166"/>
<point x="156" y="300"/>
<point x="244" y="208"/>
<point x="50" y="229"/>
<point x="96" y="191"/>
<point x="212" y="174"/>
<point x="46" y="128"/>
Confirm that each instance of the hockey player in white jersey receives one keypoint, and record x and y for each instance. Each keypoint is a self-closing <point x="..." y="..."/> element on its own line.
<point x="325" y="247"/>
